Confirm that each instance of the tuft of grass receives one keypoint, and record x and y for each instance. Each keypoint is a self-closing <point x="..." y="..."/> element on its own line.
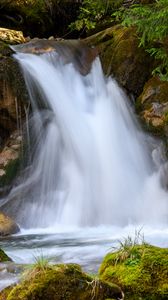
<point x="127" y="249"/>
<point x="40" y="265"/>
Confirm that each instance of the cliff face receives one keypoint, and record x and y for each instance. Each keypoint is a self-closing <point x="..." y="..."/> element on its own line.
<point x="13" y="104"/>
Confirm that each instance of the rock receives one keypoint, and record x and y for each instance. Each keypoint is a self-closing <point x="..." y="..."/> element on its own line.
<point x="152" y="105"/>
<point x="13" y="94"/>
<point x="10" y="159"/>
<point x="140" y="270"/>
<point x="7" y="225"/>
<point x="11" y="36"/>
<point x="70" y="51"/>
<point x="122" y="57"/>
<point x="3" y="255"/>
<point x="66" y="282"/>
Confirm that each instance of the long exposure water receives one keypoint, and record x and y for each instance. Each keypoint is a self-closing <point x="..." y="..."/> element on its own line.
<point x="90" y="176"/>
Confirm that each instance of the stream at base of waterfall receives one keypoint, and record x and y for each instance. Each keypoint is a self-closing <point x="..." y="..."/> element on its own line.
<point x="92" y="175"/>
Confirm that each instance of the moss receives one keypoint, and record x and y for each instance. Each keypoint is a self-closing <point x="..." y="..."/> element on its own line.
<point x="144" y="274"/>
<point x="3" y="256"/>
<point x="4" y="293"/>
<point x="122" y="57"/>
<point x="66" y="282"/>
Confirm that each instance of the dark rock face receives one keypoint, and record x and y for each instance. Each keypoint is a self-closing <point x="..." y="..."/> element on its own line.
<point x="13" y="94"/>
<point x="122" y="57"/>
<point x="13" y="103"/>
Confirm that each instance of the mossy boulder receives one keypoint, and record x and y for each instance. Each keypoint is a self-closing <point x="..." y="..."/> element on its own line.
<point x="152" y="106"/>
<point x="122" y="57"/>
<point x="140" y="270"/>
<point x="66" y="282"/>
<point x="3" y="256"/>
<point x="7" y="225"/>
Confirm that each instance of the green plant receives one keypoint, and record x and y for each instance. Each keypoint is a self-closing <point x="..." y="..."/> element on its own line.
<point x="152" y="27"/>
<point x="94" y="11"/>
<point x="127" y="249"/>
<point x="40" y="265"/>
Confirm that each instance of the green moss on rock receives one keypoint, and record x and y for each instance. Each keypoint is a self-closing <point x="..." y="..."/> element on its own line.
<point x="143" y="272"/>
<point x="66" y="282"/>
<point x="3" y="257"/>
<point x="122" y="57"/>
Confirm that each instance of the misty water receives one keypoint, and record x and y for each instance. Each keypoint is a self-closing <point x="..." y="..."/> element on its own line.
<point x="92" y="175"/>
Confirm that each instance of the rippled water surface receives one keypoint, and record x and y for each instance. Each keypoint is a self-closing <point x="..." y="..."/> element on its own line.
<point x="84" y="246"/>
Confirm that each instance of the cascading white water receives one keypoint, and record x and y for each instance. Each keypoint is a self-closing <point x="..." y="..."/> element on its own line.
<point x="90" y="162"/>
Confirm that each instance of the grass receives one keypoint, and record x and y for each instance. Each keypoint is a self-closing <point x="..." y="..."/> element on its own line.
<point x="127" y="250"/>
<point x="40" y="265"/>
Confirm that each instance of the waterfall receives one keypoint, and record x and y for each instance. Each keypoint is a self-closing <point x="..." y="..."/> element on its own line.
<point x="89" y="162"/>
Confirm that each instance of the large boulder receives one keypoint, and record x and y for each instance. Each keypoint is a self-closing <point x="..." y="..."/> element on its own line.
<point x="152" y="106"/>
<point x="140" y="270"/>
<point x="122" y="57"/>
<point x="59" y="282"/>
<point x="7" y="225"/>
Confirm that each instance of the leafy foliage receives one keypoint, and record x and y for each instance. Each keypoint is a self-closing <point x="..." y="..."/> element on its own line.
<point x="94" y="11"/>
<point x="152" y="27"/>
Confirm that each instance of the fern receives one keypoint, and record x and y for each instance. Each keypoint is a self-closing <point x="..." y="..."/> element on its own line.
<point x="94" y="11"/>
<point x="152" y="27"/>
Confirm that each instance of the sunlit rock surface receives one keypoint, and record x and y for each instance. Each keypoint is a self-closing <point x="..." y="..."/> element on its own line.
<point x="7" y="225"/>
<point x="11" y="36"/>
<point x="152" y="105"/>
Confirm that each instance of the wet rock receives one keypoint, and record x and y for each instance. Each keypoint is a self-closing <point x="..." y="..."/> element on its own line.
<point x="7" y="225"/>
<point x="10" y="159"/>
<point x="70" y="51"/>
<point x="152" y="105"/>
<point x="122" y="57"/>
<point x="141" y="271"/>
<point x="66" y="282"/>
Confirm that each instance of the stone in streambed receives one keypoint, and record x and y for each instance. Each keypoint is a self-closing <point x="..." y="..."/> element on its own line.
<point x="7" y="225"/>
